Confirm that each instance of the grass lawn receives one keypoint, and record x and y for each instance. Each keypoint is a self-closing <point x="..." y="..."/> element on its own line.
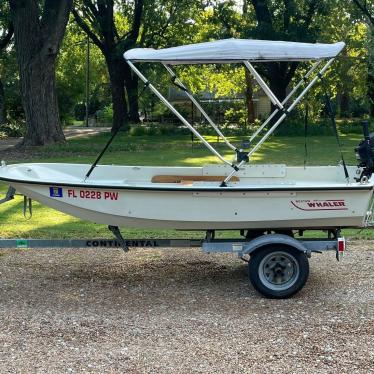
<point x="150" y="150"/>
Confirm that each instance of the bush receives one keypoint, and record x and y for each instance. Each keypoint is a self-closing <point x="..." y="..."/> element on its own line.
<point x="138" y="131"/>
<point x="295" y="127"/>
<point x="155" y="129"/>
<point x="12" y="129"/>
<point x="236" y="116"/>
<point x="353" y="127"/>
<point x="291" y="127"/>
<point x="105" y="115"/>
<point x="80" y="111"/>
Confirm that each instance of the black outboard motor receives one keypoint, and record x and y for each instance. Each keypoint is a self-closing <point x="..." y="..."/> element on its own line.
<point x="365" y="152"/>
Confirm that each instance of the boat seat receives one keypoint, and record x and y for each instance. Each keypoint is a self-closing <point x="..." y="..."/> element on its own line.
<point x="186" y="179"/>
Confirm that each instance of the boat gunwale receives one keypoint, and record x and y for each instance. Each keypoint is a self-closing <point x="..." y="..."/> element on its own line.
<point x="192" y="189"/>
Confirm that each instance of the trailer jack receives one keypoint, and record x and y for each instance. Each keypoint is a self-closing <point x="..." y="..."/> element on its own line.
<point x="9" y="195"/>
<point x="119" y="237"/>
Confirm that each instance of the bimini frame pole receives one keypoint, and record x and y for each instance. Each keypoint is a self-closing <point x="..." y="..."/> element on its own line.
<point x="303" y="80"/>
<point x="162" y="98"/>
<point x="263" y="85"/>
<point x="280" y="119"/>
<point x="180" y="84"/>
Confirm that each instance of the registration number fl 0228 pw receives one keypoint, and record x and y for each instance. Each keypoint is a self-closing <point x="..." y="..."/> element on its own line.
<point x="92" y="194"/>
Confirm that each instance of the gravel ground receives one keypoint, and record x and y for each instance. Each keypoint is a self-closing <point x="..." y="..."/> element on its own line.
<point x="180" y="311"/>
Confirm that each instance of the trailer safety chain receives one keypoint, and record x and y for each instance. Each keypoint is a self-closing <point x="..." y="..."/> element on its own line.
<point x="27" y="207"/>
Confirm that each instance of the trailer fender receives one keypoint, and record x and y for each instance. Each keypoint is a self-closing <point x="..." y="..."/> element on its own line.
<point x="266" y="240"/>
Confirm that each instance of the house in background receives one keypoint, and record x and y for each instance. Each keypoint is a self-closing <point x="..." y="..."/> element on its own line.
<point x="216" y="107"/>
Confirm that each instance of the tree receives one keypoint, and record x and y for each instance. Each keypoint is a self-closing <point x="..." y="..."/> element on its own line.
<point x="286" y="20"/>
<point x="269" y="20"/>
<point x="117" y="26"/>
<point x="39" y="29"/>
<point x="366" y="8"/>
<point x="348" y="78"/>
<point x="98" y="20"/>
<point x="6" y="34"/>
<point x="71" y="71"/>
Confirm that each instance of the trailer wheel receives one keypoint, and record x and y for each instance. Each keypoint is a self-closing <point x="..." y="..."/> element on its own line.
<point x="278" y="271"/>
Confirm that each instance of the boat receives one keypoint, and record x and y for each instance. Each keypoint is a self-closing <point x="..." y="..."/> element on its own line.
<point x="226" y="196"/>
<point x="261" y="197"/>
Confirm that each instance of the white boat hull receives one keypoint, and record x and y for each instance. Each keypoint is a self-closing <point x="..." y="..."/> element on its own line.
<point x="256" y="203"/>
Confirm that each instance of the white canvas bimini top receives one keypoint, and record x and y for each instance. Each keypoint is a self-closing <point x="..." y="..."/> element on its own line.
<point x="235" y="50"/>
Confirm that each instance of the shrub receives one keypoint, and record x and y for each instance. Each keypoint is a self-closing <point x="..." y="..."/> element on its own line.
<point x="138" y="131"/>
<point x="12" y="129"/>
<point x="105" y="115"/>
<point x="291" y="127"/>
<point x="80" y="111"/>
<point x="155" y="129"/>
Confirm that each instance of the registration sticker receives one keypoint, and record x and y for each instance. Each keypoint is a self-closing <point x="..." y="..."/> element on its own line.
<point x="55" y="191"/>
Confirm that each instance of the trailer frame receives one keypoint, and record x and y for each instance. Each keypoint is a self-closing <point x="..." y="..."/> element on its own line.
<point x="278" y="263"/>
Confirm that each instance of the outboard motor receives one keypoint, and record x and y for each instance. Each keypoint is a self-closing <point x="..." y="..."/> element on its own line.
<point x="365" y="152"/>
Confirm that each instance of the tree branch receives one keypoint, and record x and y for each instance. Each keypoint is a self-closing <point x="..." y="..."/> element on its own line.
<point x="162" y="30"/>
<point x="291" y="71"/>
<point x="107" y="20"/>
<point x="89" y="5"/>
<point x="310" y="13"/>
<point x="138" y="12"/>
<point x="263" y="15"/>
<point x="54" y="19"/>
<point x="83" y="25"/>
<point x="364" y="10"/>
<point x="287" y="14"/>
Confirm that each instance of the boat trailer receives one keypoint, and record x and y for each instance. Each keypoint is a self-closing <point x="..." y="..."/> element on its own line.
<point x="277" y="262"/>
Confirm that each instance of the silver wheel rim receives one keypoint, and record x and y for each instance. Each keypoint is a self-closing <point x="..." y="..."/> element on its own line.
<point x="279" y="271"/>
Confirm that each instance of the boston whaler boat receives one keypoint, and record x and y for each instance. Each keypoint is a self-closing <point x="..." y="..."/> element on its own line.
<point x="256" y="199"/>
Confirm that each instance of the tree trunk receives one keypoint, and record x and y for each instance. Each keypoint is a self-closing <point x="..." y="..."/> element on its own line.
<point x="279" y="89"/>
<point x="100" y="25"/>
<point x="344" y="104"/>
<point x="370" y="77"/>
<point x="117" y="85"/>
<point x="370" y="91"/>
<point x="2" y="104"/>
<point x="132" y="95"/>
<point x="38" y="32"/>
<point x="249" y="98"/>
<point x="40" y="102"/>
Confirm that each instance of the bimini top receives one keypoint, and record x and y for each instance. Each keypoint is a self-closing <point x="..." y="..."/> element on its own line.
<point x="235" y="50"/>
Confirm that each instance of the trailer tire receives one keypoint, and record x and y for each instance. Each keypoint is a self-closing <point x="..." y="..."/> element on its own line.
<point x="278" y="271"/>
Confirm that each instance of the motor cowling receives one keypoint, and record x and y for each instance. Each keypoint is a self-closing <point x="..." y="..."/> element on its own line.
<point x="365" y="152"/>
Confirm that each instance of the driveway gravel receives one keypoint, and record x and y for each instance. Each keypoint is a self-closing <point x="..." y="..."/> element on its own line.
<point x="180" y="311"/>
